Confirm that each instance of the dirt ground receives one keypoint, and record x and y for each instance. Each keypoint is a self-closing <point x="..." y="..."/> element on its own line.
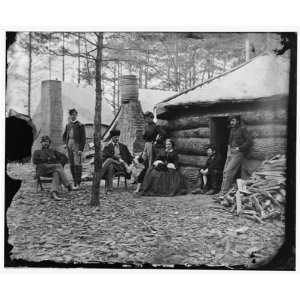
<point x="189" y="229"/>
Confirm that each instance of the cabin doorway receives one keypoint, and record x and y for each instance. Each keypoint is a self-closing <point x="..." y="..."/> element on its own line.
<point x="219" y="135"/>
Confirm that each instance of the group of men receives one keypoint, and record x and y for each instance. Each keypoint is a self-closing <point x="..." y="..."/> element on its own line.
<point x="117" y="158"/>
<point x="50" y="162"/>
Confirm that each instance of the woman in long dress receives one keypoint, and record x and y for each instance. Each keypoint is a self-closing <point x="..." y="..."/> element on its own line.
<point x="164" y="177"/>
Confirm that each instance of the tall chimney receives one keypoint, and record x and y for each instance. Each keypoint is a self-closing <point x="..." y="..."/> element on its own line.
<point x="49" y="114"/>
<point x="131" y="119"/>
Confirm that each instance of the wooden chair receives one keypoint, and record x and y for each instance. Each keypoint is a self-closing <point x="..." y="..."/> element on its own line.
<point x="119" y="175"/>
<point x="40" y="180"/>
<point x="43" y="179"/>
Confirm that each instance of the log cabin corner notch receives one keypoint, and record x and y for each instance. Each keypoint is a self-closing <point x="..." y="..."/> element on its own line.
<point x="257" y="90"/>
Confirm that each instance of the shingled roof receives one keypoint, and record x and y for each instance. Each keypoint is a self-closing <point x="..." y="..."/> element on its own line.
<point x="262" y="77"/>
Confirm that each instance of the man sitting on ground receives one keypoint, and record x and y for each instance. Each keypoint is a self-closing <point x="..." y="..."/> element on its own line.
<point x="116" y="158"/>
<point x="50" y="162"/>
<point x="210" y="175"/>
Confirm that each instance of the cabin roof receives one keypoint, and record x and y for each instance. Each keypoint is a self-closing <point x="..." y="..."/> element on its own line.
<point x="262" y="77"/>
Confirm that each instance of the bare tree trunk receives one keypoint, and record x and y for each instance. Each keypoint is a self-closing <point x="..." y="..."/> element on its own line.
<point x="63" y="57"/>
<point x="247" y="49"/>
<point x="97" y="124"/>
<point x="146" y="71"/>
<point x="50" y="58"/>
<point x="194" y="73"/>
<point x="168" y="73"/>
<point x="78" y="79"/>
<point x="29" y="74"/>
<point x="115" y="89"/>
<point x="185" y="77"/>
<point x="87" y="62"/>
<point x="119" y="87"/>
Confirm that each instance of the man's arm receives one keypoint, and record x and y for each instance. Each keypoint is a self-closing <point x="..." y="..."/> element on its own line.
<point x="248" y="140"/>
<point x="129" y="157"/>
<point x="82" y="137"/>
<point x="64" y="137"/>
<point x="37" y="158"/>
<point x="107" y="153"/>
<point x="162" y="132"/>
<point x="62" y="158"/>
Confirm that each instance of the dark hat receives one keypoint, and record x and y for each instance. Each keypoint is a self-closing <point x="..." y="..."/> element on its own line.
<point x="45" y="138"/>
<point x="149" y="114"/>
<point x="238" y="118"/>
<point x="72" y="110"/>
<point x="114" y="133"/>
<point x="211" y="146"/>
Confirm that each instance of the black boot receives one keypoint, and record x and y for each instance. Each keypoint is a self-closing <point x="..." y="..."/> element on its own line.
<point x="72" y="167"/>
<point x="55" y="196"/>
<point x="79" y="174"/>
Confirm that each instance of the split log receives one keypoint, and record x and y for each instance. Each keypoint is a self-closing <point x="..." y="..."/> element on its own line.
<point x="238" y="202"/>
<point x="201" y="132"/>
<point x="265" y="148"/>
<point x="192" y="160"/>
<point x="268" y="130"/>
<point x="188" y="122"/>
<point x="195" y="146"/>
<point x="276" y="116"/>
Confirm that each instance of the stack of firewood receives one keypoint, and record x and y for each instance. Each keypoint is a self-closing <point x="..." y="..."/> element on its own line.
<point x="263" y="196"/>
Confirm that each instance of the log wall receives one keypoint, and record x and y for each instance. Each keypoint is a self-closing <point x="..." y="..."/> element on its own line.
<point x="190" y="130"/>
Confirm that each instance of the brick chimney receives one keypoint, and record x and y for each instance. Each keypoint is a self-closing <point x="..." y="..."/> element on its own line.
<point x="49" y="115"/>
<point x="131" y="119"/>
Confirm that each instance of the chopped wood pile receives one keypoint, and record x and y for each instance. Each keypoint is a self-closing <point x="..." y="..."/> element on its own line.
<point x="262" y="197"/>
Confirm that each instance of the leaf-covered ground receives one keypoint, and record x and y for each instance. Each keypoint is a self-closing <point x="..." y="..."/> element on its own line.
<point x="189" y="229"/>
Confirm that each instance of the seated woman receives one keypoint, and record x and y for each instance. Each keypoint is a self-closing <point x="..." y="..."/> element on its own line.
<point x="210" y="174"/>
<point x="158" y="145"/>
<point x="164" y="178"/>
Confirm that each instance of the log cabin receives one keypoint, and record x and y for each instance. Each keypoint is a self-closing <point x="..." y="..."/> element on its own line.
<point x="257" y="91"/>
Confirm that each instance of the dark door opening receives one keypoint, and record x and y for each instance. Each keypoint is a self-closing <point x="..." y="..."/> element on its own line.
<point x="219" y="135"/>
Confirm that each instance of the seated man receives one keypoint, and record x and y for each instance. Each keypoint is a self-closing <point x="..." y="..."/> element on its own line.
<point x="210" y="175"/>
<point x="49" y="163"/>
<point x="116" y="158"/>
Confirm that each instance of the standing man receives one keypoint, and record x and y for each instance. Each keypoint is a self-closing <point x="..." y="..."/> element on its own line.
<point x="239" y="144"/>
<point x="74" y="138"/>
<point x="116" y="158"/>
<point x="150" y="133"/>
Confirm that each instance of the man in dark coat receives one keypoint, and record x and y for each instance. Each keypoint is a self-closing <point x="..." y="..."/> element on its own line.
<point x="74" y="138"/>
<point x="116" y="158"/>
<point x="151" y="131"/>
<point x="50" y="162"/>
<point x="210" y="174"/>
<point x="239" y="145"/>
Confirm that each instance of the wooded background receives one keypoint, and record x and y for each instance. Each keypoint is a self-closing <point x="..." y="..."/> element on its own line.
<point x="166" y="61"/>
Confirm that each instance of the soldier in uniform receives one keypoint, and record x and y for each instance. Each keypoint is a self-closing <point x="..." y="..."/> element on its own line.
<point x="50" y="162"/>
<point x="74" y="138"/>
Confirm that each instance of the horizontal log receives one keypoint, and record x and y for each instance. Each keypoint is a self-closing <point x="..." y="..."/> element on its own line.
<point x="188" y="122"/>
<point x="265" y="148"/>
<point x="195" y="146"/>
<point x="276" y="116"/>
<point x="267" y="130"/>
<point x="201" y="132"/>
<point x="192" y="160"/>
